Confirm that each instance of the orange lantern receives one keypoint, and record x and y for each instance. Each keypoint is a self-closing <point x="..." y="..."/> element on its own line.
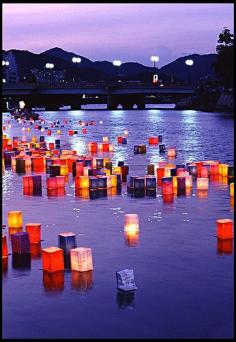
<point x="4" y="247"/>
<point x="224" y="246"/>
<point x="15" y="219"/>
<point x="52" y="259"/>
<point x="204" y="172"/>
<point x="131" y="238"/>
<point x="28" y="182"/>
<point x="64" y="170"/>
<point x="202" y="183"/>
<point x="34" y="230"/>
<point x="175" y="182"/>
<point x="81" y="259"/>
<point x="81" y="182"/>
<point x="60" y="180"/>
<point x="224" y="229"/>
<point x="232" y="189"/>
<point x="131" y="223"/>
<point x="153" y="140"/>
<point x="188" y="182"/>
<point x="214" y="168"/>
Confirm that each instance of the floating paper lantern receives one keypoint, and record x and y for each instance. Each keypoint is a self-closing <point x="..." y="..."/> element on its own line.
<point x="171" y="152"/>
<point x="67" y="241"/>
<point x="60" y="180"/>
<point x="51" y="183"/>
<point x="119" y="140"/>
<point x="15" y="219"/>
<point x="160" y="172"/>
<point x="82" y="182"/>
<point x="232" y="189"/>
<point x="84" y="130"/>
<point x="64" y="170"/>
<point x="81" y="259"/>
<point x="105" y="139"/>
<point x="126" y="132"/>
<point x="214" y="168"/>
<point x="125" y="280"/>
<point x="150" y="169"/>
<point x="202" y="183"/>
<point x="223" y="170"/>
<point x="102" y="182"/>
<point x="204" y="172"/>
<point x="93" y="147"/>
<point x="131" y="223"/>
<point x="53" y="281"/>
<point x="139" y="183"/>
<point x="167" y="186"/>
<point x="188" y="182"/>
<point x="34" y="230"/>
<point x="52" y="259"/>
<point x="153" y="140"/>
<point x="49" y="132"/>
<point x="20" y="243"/>
<point x="4" y="247"/>
<point x="124" y="141"/>
<point x="224" y="229"/>
<point x="174" y="182"/>
<point x="71" y="132"/>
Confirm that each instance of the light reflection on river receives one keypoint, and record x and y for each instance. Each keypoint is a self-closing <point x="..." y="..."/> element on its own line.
<point x="185" y="285"/>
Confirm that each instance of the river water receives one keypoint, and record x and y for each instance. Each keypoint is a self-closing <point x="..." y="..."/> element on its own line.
<point x="185" y="282"/>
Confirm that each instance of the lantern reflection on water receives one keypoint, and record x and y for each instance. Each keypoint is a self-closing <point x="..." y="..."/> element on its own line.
<point x="224" y="229"/>
<point x="171" y="152"/>
<point x="35" y="250"/>
<point x="232" y="189"/>
<point x="34" y="230"/>
<point x="4" y="247"/>
<point x="224" y="246"/>
<point x="81" y="259"/>
<point x="53" y="281"/>
<point x="82" y="281"/>
<point x="15" y="219"/>
<point x="202" y="183"/>
<point x="52" y="259"/>
<point x="202" y="193"/>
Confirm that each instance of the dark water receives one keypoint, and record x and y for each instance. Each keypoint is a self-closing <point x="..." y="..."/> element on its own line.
<point x="185" y="284"/>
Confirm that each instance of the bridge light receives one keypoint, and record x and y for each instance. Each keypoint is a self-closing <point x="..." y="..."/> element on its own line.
<point x="189" y="62"/>
<point x="117" y="63"/>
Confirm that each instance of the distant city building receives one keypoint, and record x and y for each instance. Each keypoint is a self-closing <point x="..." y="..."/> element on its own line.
<point x="9" y="68"/>
<point x="49" y="75"/>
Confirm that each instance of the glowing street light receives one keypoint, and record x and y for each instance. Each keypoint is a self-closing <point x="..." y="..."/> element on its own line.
<point x="4" y="80"/>
<point x="22" y="104"/>
<point x="117" y="63"/>
<point x="154" y="59"/>
<point x="189" y="62"/>
<point x="76" y="59"/>
<point x="49" y="66"/>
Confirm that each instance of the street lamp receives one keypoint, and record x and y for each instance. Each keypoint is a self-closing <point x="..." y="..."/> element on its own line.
<point x="76" y="59"/>
<point x="117" y="63"/>
<point x="154" y="59"/>
<point x="189" y="62"/>
<point x="49" y="65"/>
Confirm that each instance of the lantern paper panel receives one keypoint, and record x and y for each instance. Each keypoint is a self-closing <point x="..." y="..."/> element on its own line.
<point x="34" y="230"/>
<point x="125" y="280"/>
<point x="52" y="259"/>
<point x="224" y="229"/>
<point x="81" y="259"/>
<point x="15" y="219"/>
<point x="82" y="281"/>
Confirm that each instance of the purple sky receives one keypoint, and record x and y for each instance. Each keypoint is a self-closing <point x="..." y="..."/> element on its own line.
<point x="129" y="32"/>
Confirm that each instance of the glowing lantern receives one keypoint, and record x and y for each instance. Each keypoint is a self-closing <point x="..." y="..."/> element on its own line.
<point x="34" y="230"/>
<point x="51" y="183"/>
<point x="214" y="169"/>
<point x="58" y="132"/>
<point x="111" y="148"/>
<point x="64" y="170"/>
<point x="202" y="183"/>
<point x="49" y="132"/>
<point x="52" y="259"/>
<point x="204" y="172"/>
<point x="20" y="243"/>
<point x="4" y="247"/>
<point x="131" y="224"/>
<point x="100" y="146"/>
<point x="223" y="170"/>
<point x="232" y="189"/>
<point x="71" y="132"/>
<point x="160" y="172"/>
<point x="60" y="180"/>
<point x="171" y="152"/>
<point x="84" y="130"/>
<point x="175" y="182"/>
<point x="126" y="132"/>
<point x="81" y="182"/>
<point x="105" y="147"/>
<point x="105" y="139"/>
<point x="224" y="229"/>
<point x="67" y="241"/>
<point x="119" y="140"/>
<point x="167" y="186"/>
<point x="15" y="219"/>
<point x="81" y="259"/>
<point x="153" y="140"/>
<point x="188" y="182"/>
<point x="109" y="181"/>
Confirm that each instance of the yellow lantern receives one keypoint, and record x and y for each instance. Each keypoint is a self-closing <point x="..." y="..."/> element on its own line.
<point x="81" y="259"/>
<point x="15" y="219"/>
<point x="58" y="132"/>
<point x="116" y="170"/>
<point x="63" y="170"/>
<point x="106" y="171"/>
<point x="231" y="189"/>
<point x="100" y="146"/>
<point x="28" y="129"/>
<point x="81" y="182"/>
<point x="131" y="223"/>
<point x="202" y="183"/>
<point x="111" y="148"/>
<point x="113" y="180"/>
<point x="174" y="181"/>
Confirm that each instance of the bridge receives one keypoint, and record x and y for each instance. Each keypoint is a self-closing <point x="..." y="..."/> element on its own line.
<point x="126" y="94"/>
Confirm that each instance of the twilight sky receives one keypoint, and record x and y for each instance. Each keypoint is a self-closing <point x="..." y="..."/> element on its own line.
<point x="129" y="32"/>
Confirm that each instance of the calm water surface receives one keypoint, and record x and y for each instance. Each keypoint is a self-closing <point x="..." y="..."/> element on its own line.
<point x="185" y="284"/>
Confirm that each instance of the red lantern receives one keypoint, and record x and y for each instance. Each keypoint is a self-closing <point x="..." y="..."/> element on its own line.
<point x="153" y="140"/>
<point x="4" y="247"/>
<point x="224" y="229"/>
<point x="119" y="140"/>
<point x="34" y="230"/>
<point x="52" y="259"/>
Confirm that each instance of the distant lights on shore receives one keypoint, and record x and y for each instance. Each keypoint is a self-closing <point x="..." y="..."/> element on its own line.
<point x="49" y="66"/>
<point x="154" y="58"/>
<point x="189" y="62"/>
<point x="5" y="63"/>
<point x="76" y="59"/>
<point x="4" y="80"/>
<point x="117" y="63"/>
<point x="22" y="104"/>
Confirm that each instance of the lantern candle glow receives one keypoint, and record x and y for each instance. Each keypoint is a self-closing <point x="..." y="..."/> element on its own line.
<point x="15" y="219"/>
<point x="81" y="259"/>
